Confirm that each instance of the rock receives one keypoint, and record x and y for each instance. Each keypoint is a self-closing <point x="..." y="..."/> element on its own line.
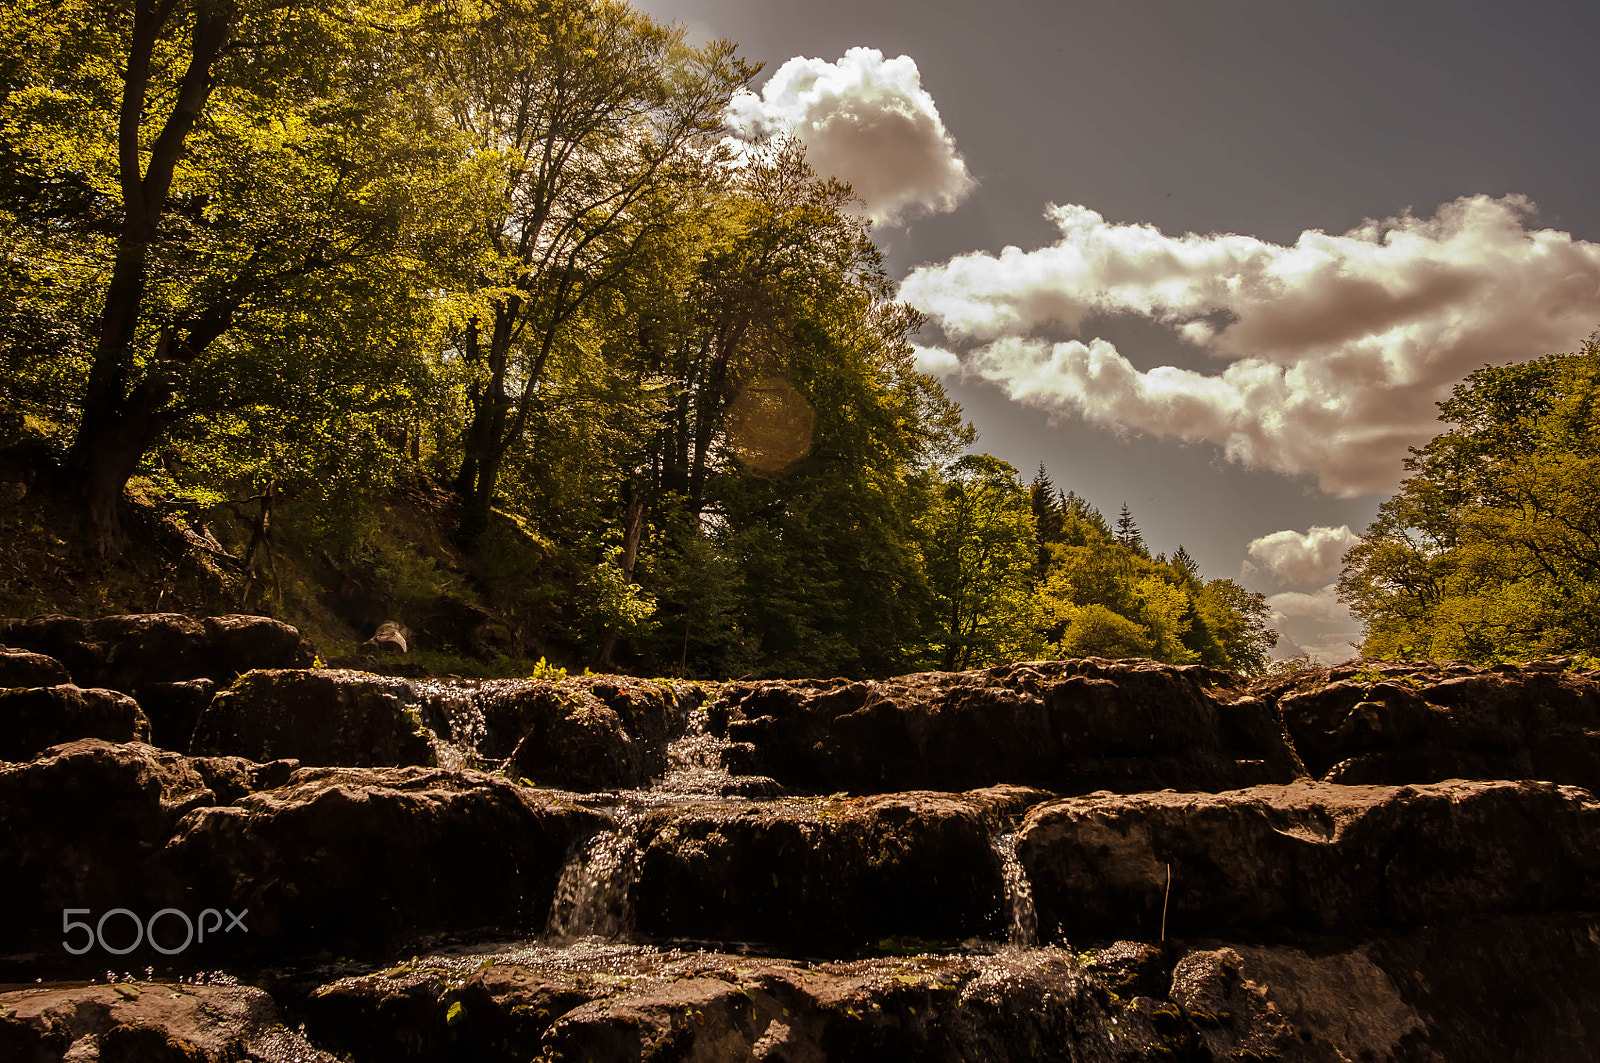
<point x="23" y="668"/>
<point x="322" y="717"/>
<point x="34" y="719"/>
<point x="174" y="710"/>
<point x="127" y="652"/>
<point x="1396" y="723"/>
<point x="1066" y="726"/>
<point x="390" y="638"/>
<point x="230" y="778"/>
<point x="821" y="876"/>
<point x="584" y="732"/>
<point x="628" y="1004"/>
<point x="79" y="828"/>
<point x="1312" y="857"/>
<point x="358" y="861"/>
<point x="148" y="1022"/>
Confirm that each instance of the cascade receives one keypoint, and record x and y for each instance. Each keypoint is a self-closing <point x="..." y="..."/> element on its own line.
<point x="592" y="897"/>
<point x="1022" y="919"/>
<point x="454" y="711"/>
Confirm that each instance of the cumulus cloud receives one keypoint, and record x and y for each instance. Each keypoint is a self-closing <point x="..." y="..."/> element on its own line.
<point x="866" y="120"/>
<point x="1323" y="606"/>
<point x="1317" y="623"/>
<point x="1335" y="348"/>
<point x="1304" y="557"/>
<point x="934" y="361"/>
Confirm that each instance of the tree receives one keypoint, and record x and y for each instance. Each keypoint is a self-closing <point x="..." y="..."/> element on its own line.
<point x="1490" y="550"/>
<point x="584" y="115"/>
<point x="982" y="546"/>
<point x="258" y="145"/>
<point x="1128" y="531"/>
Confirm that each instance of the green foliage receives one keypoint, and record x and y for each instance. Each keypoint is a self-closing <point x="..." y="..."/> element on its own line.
<point x="1488" y="552"/>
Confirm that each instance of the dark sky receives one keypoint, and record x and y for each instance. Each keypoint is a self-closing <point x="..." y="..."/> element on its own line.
<point x="1262" y="119"/>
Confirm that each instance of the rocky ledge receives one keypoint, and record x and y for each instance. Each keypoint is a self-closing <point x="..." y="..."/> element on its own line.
<point x="1073" y="860"/>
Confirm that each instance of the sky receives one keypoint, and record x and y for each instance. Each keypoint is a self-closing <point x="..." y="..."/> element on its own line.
<point x="1216" y="259"/>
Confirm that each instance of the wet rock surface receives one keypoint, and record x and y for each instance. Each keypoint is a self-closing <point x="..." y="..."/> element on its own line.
<point x="325" y="717"/>
<point x="1387" y="722"/>
<point x="822" y="877"/>
<point x="1313" y="857"/>
<point x="1067" y="726"/>
<point x="32" y="719"/>
<point x="149" y="1022"/>
<point x="1091" y="860"/>
<point x="126" y="652"/>
<point x="359" y="861"/>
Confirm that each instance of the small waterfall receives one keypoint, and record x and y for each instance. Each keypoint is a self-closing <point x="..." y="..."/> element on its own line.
<point x="694" y="761"/>
<point x="1024" y="929"/>
<point x="453" y="711"/>
<point x="593" y="896"/>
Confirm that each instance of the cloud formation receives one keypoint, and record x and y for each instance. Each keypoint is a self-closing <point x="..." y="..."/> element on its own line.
<point x="1304" y="557"/>
<point x="1336" y="347"/>
<point x="1317" y="623"/>
<point x="866" y="120"/>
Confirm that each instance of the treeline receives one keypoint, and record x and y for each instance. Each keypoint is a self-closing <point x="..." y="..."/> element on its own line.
<point x="306" y="253"/>
<point x="1490" y="550"/>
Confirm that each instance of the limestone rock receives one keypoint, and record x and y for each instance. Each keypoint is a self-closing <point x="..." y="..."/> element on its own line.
<point x="1313" y="857"/>
<point x="1390" y="722"/>
<point x="821" y="876"/>
<point x="126" y="652"/>
<point x="1066" y="726"/>
<point x="148" y="1022"/>
<point x="324" y="717"/>
<point x="79" y="828"/>
<point x="24" y="668"/>
<point x="34" y="719"/>
<point x="355" y="860"/>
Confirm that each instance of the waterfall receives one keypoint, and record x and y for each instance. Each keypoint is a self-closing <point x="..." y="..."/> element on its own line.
<point x="1024" y="922"/>
<point x="453" y="713"/>
<point x="694" y="760"/>
<point x="593" y="896"/>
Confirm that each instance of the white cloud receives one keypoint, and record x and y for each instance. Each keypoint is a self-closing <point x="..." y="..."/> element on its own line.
<point x="1324" y="606"/>
<point x="934" y="361"/>
<point x="866" y="120"/>
<point x="1304" y="557"/>
<point x="1336" y="348"/>
<point x="1318" y="624"/>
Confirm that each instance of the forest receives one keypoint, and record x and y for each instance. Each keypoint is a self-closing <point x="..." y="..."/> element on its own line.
<point x="466" y="314"/>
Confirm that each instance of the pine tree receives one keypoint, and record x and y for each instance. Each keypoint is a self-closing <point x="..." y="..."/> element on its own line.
<point x="1128" y="531"/>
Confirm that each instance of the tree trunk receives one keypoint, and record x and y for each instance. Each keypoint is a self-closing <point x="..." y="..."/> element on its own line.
<point x="632" y="530"/>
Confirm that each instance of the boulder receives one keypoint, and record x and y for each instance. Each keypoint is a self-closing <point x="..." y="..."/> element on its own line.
<point x="1308" y="857"/>
<point x="1067" y="726"/>
<point x="24" y="668"/>
<point x="34" y="719"/>
<point x="1391" y="722"/>
<point x="148" y="1022"/>
<point x="79" y="827"/>
<point x="584" y="732"/>
<point x="324" y="717"/>
<point x="389" y="638"/>
<point x="127" y="652"/>
<point x="823" y="876"/>
<point x="358" y="861"/>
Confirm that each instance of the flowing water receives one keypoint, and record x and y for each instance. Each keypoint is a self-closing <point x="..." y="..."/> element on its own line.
<point x="593" y="896"/>
<point x="1023" y="920"/>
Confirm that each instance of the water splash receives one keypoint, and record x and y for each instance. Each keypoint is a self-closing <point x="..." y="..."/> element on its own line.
<point x="594" y="894"/>
<point x="695" y="761"/>
<point x="1024" y="921"/>
<point x="455" y="715"/>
